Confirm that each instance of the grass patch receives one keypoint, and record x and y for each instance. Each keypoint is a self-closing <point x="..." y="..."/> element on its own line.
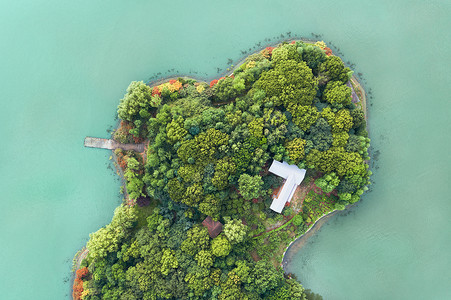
<point x="144" y="212"/>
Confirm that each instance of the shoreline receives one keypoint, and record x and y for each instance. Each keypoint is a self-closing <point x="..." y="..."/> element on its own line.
<point x="302" y="239"/>
<point x="229" y="72"/>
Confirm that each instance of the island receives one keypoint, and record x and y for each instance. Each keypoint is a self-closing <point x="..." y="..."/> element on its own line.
<point x="225" y="175"/>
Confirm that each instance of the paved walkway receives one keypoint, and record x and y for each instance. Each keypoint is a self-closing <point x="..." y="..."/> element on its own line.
<point x="93" y="142"/>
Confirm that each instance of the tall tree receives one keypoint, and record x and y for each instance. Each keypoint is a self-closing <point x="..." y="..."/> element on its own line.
<point x="250" y="186"/>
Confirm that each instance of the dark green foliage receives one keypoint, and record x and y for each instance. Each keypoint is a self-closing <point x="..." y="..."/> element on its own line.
<point x="320" y="135"/>
<point x="334" y="69"/>
<point x="312" y="55"/>
<point x="358" y="118"/>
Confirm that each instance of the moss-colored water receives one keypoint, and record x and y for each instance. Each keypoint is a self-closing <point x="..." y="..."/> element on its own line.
<point x="65" y="65"/>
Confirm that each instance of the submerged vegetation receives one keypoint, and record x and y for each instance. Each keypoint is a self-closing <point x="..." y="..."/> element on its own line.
<point x="209" y="149"/>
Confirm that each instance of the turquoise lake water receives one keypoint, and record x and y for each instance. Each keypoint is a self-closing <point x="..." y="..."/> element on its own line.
<point x="65" y="65"/>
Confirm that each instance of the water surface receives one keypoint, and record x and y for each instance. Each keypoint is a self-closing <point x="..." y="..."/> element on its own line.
<point x="65" y="65"/>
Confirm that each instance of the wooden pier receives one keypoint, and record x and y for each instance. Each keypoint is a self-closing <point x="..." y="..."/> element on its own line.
<point x="109" y="144"/>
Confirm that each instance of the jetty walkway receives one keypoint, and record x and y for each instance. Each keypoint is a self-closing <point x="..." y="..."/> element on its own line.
<point x="109" y="144"/>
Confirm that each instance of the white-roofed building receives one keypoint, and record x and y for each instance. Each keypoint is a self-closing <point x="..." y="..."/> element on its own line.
<point x="293" y="177"/>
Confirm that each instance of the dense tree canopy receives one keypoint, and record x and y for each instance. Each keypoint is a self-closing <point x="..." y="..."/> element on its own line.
<point x="210" y="146"/>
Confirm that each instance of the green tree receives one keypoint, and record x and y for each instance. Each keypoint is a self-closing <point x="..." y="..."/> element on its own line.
<point x="312" y="55"/>
<point x="250" y="186"/>
<point x="304" y="116"/>
<point x="289" y="82"/>
<point x="263" y="277"/>
<point x="204" y="258"/>
<point x="108" y="238"/>
<point x="338" y="94"/>
<point x="235" y="230"/>
<point x="221" y="246"/>
<point x="335" y="70"/>
<point x="284" y="53"/>
<point x="197" y="239"/>
<point x="296" y="150"/>
<point x="138" y="96"/>
<point x="320" y="135"/>
<point x="168" y="261"/>
<point x="175" y="130"/>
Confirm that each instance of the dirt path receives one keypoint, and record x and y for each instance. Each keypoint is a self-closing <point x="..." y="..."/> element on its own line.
<point x="82" y="255"/>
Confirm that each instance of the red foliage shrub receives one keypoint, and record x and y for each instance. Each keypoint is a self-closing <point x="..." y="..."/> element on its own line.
<point x="232" y="76"/>
<point x="328" y="51"/>
<point x="221" y="78"/>
<point x="287" y="204"/>
<point x="293" y="42"/>
<point x="213" y="82"/>
<point x="156" y="91"/>
<point x="172" y="81"/>
<point x="81" y="273"/>
<point x="78" y="283"/>
<point x="269" y="49"/>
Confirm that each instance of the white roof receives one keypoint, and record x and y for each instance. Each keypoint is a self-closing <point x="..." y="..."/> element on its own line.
<point x="284" y="170"/>
<point x="293" y="177"/>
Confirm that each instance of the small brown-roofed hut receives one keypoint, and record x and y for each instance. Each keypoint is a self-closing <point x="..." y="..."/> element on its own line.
<point x="214" y="227"/>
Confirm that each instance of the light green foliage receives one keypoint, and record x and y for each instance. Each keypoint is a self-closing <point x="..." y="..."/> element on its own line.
<point x="338" y="94"/>
<point x="297" y="220"/>
<point x="197" y="239"/>
<point x="226" y="89"/>
<point x="250" y="186"/>
<point x="304" y="116"/>
<point x="289" y="82"/>
<point x="138" y="96"/>
<point x="256" y="127"/>
<point x="338" y="160"/>
<point x="191" y="173"/>
<point x="175" y="130"/>
<point x="108" y="238"/>
<point x="220" y="246"/>
<point x="235" y="230"/>
<point x="340" y="139"/>
<point x="176" y="190"/>
<point x="193" y="194"/>
<point x="204" y="258"/>
<point x="168" y="261"/>
<point x="259" y="95"/>
<point x="129" y="251"/>
<point x="290" y="290"/>
<point x="328" y="182"/>
<point x="134" y="182"/>
<point x="204" y="145"/>
<point x="343" y="121"/>
<point x="295" y="149"/>
<point x="285" y="52"/>
<point x="340" y="121"/>
<point x="210" y="206"/>
<point x="223" y="169"/>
